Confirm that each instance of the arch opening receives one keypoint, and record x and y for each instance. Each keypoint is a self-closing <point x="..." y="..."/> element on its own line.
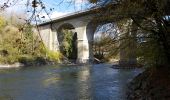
<point x="101" y="46"/>
<point x="67" y="38"/>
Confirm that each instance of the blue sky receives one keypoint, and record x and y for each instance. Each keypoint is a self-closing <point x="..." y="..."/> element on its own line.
<point x="65" y="6"/>
<point x="60" y="7"/>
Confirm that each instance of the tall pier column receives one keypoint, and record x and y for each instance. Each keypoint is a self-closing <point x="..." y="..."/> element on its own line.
<point x="82" y="45"/>
<point x="46" y="36"/>
<point x="128" y="47"/>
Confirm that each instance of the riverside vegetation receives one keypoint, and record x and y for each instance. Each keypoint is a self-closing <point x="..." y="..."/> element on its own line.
<point x="20" y="44"/>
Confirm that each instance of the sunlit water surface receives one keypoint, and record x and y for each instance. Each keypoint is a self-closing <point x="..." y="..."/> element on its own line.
<point x="92" y="82"/>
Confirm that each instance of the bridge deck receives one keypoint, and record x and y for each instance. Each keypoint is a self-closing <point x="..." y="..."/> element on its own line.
<point x="68" y="16"/>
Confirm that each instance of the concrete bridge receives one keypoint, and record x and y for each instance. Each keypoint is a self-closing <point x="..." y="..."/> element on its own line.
<point x="83" y="24"/>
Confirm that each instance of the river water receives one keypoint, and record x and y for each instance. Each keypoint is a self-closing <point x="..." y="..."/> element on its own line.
<point x="90" y="82"/>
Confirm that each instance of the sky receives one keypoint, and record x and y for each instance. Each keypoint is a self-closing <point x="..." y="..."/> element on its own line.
<point x="58" y="7"/>
<point x="64" y="7"/>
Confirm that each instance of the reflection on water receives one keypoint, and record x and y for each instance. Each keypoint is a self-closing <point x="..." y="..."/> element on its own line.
<point x="97" y="82"/>
<point x="51" y="80"/>
<point x="84" y="75"/>
<point x="84" y="84"/>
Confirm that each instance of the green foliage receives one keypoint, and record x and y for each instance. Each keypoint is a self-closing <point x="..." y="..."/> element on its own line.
<point x="2" y="22"/>
<point x="150" y="53"/>
<point x="10" y="59"/>
<point x="20" y="44"/>
<point x="67" y="43"/>
<point x="54" y="56"/>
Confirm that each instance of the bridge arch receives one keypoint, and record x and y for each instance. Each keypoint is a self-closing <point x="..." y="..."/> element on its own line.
<point x="65" y="26"/>
<point x="67" y="36"/>
<point x="91" y="30"/>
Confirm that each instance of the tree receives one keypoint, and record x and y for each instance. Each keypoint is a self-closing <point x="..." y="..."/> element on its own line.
<point x="67" y="44"/>
<point x="17" y="42"/>
<point x="104" y="48"/>
<point x="151" y="18"/>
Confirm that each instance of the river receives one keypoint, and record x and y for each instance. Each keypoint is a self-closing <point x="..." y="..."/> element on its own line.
<point x="59" y="82"/>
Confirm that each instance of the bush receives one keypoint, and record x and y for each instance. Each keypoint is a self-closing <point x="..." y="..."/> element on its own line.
<point x="20" y="44"/>
<point x="54" y="56"/>
<point x="8" y="59"/>
<point x="25" y="59"/>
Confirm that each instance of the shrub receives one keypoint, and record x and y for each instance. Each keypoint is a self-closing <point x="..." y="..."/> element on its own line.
<point x="54" y="56"/>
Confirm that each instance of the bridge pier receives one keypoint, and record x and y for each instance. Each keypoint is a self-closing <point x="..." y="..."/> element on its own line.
<point x="83" y="46"/>
<point x="128" y="54"/>
<point x="82" y="56"/>
<point x="128" y="46"/>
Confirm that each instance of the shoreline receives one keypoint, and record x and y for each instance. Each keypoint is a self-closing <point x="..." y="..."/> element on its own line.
<point x="20" y="65"/>
<point x="8" y="66"/>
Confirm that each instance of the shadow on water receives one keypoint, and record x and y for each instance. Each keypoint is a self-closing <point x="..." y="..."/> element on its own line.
<point x="97" y="82"/>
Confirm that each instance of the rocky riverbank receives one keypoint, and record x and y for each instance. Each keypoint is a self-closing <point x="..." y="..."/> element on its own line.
<point x="15" y="65"/>
<point x="152" y="84"/>
<point x="39" y="61"/>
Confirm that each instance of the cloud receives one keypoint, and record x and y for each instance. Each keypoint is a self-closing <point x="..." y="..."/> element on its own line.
<point x="80" y="1"/>
<point x="52" y="15"/>
<point x="80" y="4"/>
<point x="56" y="14"/>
